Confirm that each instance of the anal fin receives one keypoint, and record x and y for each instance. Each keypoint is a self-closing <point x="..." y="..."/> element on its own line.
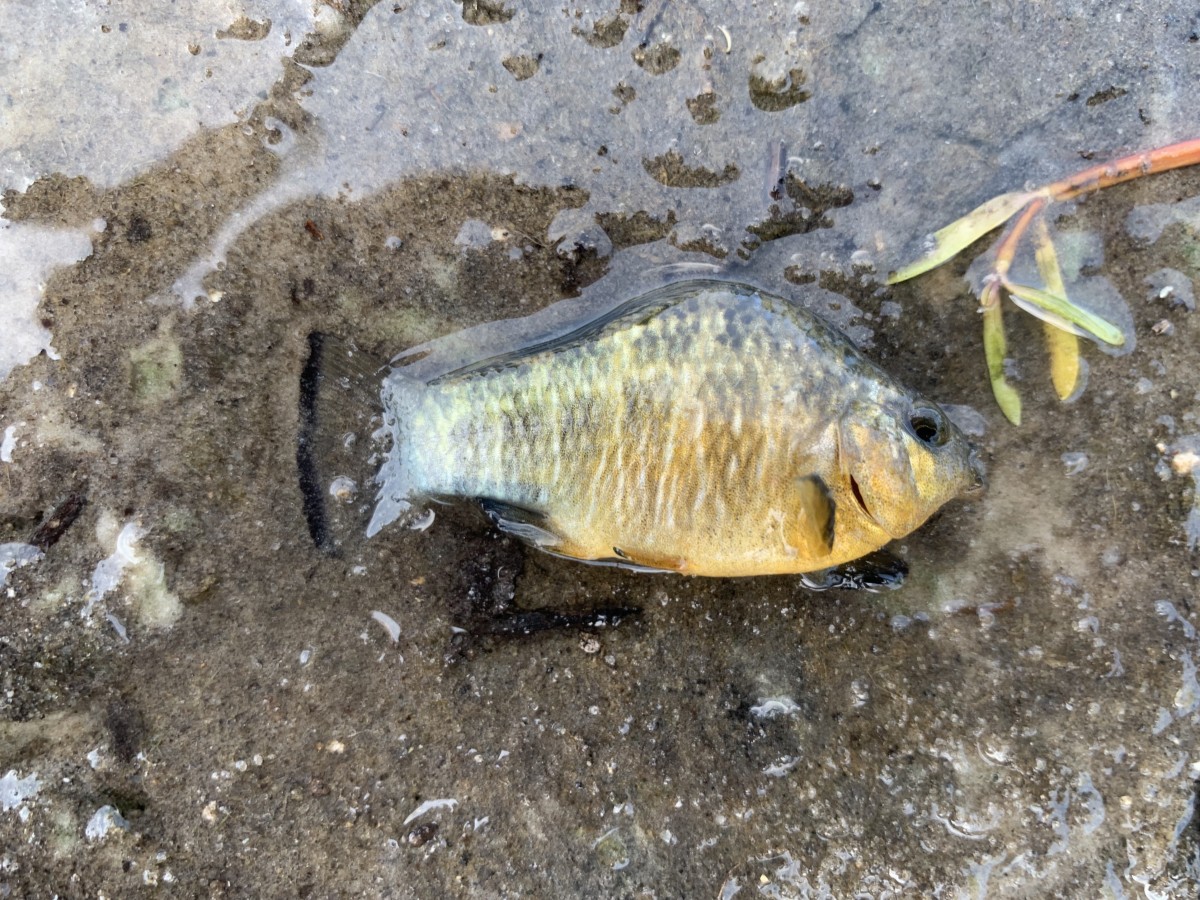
<point x="644" y="561"/>
<point x="538" y="530"/>
<point x="529" y="525"/>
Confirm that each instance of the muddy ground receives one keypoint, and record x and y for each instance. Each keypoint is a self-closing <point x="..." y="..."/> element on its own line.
<point x="197" y="702"/>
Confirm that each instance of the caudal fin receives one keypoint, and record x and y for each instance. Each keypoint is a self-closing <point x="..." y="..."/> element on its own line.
<point x="336" y="452"/>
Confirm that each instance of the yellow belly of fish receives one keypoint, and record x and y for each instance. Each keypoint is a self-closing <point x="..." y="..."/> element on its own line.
<point x="770" y="546"/>
<point x="721" y="503"/>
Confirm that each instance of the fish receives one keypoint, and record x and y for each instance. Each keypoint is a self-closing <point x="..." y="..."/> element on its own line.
<point x="706" y="428"/>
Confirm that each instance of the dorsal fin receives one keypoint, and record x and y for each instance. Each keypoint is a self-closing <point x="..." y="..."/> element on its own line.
<point x="632" y="312"/>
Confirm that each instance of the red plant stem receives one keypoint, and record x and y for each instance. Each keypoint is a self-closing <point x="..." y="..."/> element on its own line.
<point x="1006" y="247"/>
<point x="1127" y="168"/>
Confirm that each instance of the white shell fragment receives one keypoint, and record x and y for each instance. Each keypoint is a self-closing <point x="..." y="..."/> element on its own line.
<point x="390" y="625"/>
<point x="424" y="521"/>
<point x="343" y="489"/>
<point x="770" y="707"/>
<point x="9" y="443"/>
<point x="104" y="820"/>
<point x="445" y="803"/>
<point x="15" y="790"/>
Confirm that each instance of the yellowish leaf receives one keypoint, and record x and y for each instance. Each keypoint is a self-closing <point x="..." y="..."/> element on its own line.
<point x="1063" y="348"/>
<point x="1062" y="345"/>
<point x="1047" y="259"/>
<point x="961" y="233"/>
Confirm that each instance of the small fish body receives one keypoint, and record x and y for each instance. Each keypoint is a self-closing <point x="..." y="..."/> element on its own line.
<point x="707" y="428"/>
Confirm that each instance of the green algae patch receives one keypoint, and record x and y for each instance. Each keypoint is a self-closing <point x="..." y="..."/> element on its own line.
<point x="156" y="368"/>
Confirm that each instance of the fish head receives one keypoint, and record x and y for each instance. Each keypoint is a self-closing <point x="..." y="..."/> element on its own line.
<point x="901" y="458"/>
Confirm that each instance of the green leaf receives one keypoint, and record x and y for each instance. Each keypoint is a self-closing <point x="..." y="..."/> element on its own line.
<point x="1048" y="317"/>
<point x="995" y="348"/>
<point x="1063" y="313"/>
<point x="960" y="234"/>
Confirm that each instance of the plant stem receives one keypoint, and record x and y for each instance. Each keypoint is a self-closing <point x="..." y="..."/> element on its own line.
<point x="1006" y="247"/>
<point x="1127" y="168"/>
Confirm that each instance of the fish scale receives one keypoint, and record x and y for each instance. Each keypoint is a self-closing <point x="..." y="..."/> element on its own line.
<point x="707" y="428"/>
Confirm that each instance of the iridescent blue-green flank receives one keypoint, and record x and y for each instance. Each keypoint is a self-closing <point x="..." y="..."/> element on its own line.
<point x="706" y="428"/>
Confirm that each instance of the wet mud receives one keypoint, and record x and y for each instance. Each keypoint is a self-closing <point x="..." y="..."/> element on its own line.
<point x="1020" y="718"/>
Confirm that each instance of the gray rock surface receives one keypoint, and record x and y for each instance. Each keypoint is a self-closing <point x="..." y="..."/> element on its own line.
<point x="218" y="180"/>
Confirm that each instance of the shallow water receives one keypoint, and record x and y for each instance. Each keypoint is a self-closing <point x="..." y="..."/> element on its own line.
<point x="1020" y="718"/>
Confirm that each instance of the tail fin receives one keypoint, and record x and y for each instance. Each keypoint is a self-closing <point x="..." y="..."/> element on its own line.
<point x="336" y="452"/>
<point x="400" y="397"/>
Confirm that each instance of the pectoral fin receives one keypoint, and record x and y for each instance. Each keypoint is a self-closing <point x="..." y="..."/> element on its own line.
<point x="879" y="571"/>
<point x="811" y="519"/>
<point x="527" y="524"/>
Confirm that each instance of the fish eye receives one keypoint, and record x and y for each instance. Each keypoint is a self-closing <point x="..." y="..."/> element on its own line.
<point x="929" y="426"/>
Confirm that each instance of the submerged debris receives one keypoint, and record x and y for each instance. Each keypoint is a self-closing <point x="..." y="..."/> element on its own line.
<point x="109" y="571"/>
<point x="1075" y="461"/>
<point x="1182" y="458"/>
<point x="770" y="707"/>
<point x="60" y="519"/>
<point x="15" y="555"/>
<point x="154" y="605"/>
